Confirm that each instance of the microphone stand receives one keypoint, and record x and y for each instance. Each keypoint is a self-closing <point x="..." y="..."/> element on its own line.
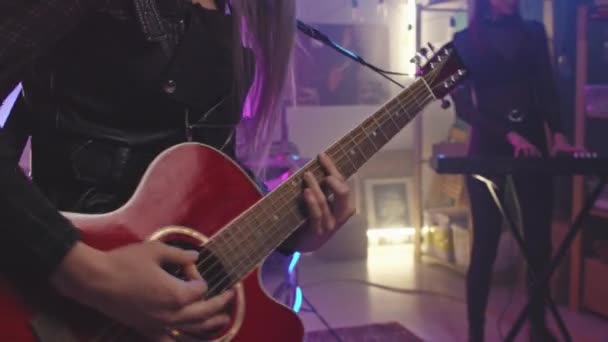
<point x="318" y="35"/>
<point x="289" y="290"/>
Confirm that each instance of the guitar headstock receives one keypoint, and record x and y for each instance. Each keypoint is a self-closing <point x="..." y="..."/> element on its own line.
<point x="443" y="71"/>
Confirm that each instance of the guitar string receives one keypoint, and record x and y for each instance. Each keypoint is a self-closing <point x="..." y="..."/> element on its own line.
<point x="269" y="237"/>
<point x="231" y="277"/>
<point x="343" y="157"/>
<point x="243" y="264"/>
<point x="316" y="167"/>
<point x="413" y="95"/>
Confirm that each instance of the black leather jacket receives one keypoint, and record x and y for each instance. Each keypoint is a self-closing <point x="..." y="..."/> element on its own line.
<point x="127" y="84"/>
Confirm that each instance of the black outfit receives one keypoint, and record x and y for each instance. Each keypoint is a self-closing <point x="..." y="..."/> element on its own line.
<point x="100" y="101"/>
<point x="511" y="81"/>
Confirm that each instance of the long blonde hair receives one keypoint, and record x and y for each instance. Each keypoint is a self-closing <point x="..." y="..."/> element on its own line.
<point x="268" y="28"/>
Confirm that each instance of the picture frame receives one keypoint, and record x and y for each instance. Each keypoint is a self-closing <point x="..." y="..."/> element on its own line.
<point x="389" y="202"/>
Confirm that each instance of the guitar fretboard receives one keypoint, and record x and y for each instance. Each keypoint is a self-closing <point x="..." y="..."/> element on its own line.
<point x="250" y="238"/>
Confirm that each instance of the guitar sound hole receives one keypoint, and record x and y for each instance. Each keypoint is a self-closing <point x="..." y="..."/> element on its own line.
<point x="213" y="272"/>
<point x="210" y="267"/>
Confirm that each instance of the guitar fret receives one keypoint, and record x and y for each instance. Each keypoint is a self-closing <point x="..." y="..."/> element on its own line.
<point x="257" y="233"/>
<point x="369" y="133"/>
<point x="339" y="159"/>
<point x="224" y="245"/>
<point x="389" y="126"/>
<point x="357" y="147"/>
<point x="402" y="114"/>
<point x="379" y="128"/>
<point x="347" y="161"/>
<point x="253" y="236"/>
<point x="369" y="145"/>
<point x="218" y="249"/>
<point x="230" y="240"/>
<point x="296" y="215"/>
<point x="392" y="116"/>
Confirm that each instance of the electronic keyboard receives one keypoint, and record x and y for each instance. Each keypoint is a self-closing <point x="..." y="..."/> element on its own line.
<point x="586" y="164"/>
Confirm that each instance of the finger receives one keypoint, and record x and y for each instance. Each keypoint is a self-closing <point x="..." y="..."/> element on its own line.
<point x="327" y="218"/>
<point x="203" y="310"/>
<point x="192" y="272"/>
<point x="314" y="211"/>
<point x="342" y="206"/>
<point x="208" y="326"/>
<point x="179" y="293"/>
<point x="330" y="166"/>
<point x="173" y="255"/>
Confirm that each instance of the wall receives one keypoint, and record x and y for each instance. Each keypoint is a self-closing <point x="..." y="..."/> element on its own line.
<point x="312" y="129"/>
<point x="341" y="12"/>
<point x="438" y="28"/>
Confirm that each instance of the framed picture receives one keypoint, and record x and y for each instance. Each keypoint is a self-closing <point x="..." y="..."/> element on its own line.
<point x="389" y="202"/>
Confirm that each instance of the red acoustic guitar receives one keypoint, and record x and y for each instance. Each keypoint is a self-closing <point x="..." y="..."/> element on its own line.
<point x="196" y="197"/>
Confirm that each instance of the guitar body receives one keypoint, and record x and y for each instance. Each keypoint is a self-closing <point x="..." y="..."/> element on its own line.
<point x="189" y="193"/>
<point x="192" y="193"/>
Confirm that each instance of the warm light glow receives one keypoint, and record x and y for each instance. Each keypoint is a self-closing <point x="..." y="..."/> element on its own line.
<point x="383" y="260"/>
<point x="393" y="235"/>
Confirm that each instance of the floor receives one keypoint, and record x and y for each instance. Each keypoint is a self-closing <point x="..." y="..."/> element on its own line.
<point x="430" y="303"/>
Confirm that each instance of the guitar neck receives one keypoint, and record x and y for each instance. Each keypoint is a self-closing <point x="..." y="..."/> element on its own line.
<point x="253" y="236"/>
<point x="358" y="146"/>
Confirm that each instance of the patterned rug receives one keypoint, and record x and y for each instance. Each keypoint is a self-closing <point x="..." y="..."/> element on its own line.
<point x="393" y="332"/>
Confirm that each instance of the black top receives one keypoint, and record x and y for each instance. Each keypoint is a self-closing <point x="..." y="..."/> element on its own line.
<point x="99" y="104"/>
<point x="512" y="82"/>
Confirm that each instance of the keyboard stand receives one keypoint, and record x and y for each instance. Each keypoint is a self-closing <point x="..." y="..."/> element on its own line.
<point x="492" y="187"/>
<point x="538" y="287"/>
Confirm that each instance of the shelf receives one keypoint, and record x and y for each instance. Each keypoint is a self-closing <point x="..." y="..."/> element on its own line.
<point x="603" y="213"/>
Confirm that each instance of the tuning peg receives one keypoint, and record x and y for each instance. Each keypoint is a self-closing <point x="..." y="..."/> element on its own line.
<point x="423" y="52"/>
<point x="431" y="47"/>
<point x="445" y="104"/>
